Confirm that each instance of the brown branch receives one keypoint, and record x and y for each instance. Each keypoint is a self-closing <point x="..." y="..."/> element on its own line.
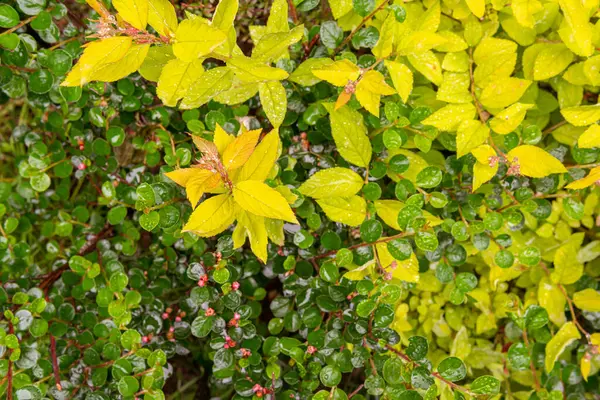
<point x="483" y="115"/>
<point x="293" y="12"/>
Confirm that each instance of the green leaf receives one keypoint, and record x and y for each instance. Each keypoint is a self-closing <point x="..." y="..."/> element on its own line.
<point x="417" y="348"/>
<point x="453" y="369"/>
<point x="485" y="385"/>
<point x="8" y="16"/>
<point x="150" y="221"/>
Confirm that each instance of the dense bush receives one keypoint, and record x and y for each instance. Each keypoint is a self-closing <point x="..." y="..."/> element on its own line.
<point x="329" y="200"/>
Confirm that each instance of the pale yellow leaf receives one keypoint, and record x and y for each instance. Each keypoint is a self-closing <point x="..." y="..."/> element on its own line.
<point x="551" y="61"/>
<point x="339" y="73"/>
<point x="225" y="14"/>
<point x="249" y="70"/>
<point x="135" y="12"/>
<point x="507" y="120"/>
<point x="339" y="8"/>
<point x="534" y="161"/>
<point x="503" y="92"/>
<point x="238" y="92"/>
<point x="582" y="115"/>
<point x="260" y="199"/>
<point x="194" y="39"/>
<point x="278" y="17"/>
<point x="369" y="90"/>
<point x="388" y="211"/>
<point x="346" y="210"/>
<point x="199" y="184"/>
<point x="455" y="88"/>
<point x="385" y="44"/>
<point x="587" y="300"/>
<point x="483" y="170"/>
<point x="470" y="135"/>
<point x="274" y="101"/>
<point x="406" y="270"/>
<point x="495" y="58"/>
<point x="419" y="42"/>
<point x="567" y="269"/>
<point x="162" y="17"/>
<point x="176" y="78"/>
<point x="262" y="160"/>
<point x="240" y="149"/>
<point x="448" y="118"/>
<point x="402" y="78"/>
<point x="551" y="298"/>
<point x="332" y="182"/>
<point x="427" y="64"/>
<point x="212" y="216"/>
<point x="559" y="342"/>
<point x="575" y="30"/>
<point x="273" y="46"/>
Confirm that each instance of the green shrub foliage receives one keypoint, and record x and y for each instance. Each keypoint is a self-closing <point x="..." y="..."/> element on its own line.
<point x="303" y="199"/>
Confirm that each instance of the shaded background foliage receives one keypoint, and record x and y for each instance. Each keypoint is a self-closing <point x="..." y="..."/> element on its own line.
<point x="101" y="296"/>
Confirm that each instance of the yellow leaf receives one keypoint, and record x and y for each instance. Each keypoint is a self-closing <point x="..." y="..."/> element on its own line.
<point x="135" y="12"/>
<point x="350" y="135"/>
<point x="402" y="78"/>
<point x="339" y="8"/>
<point x="260" y="199"/>
<point x="162" y="17"/>
<point x="448" y="118"/>
<point x="524" y="11"/>
<point x="203" y="182"/>
<point x="176" y="78"/>
<point x="369" y="90"/>
<point x="278" y="17"/>
<point x="225" y="14"/>
<point x="590" y="138"/>
<point x="551" y="298"/>
<point x="455" y="88"/>
<point x="589" y="180"/>
<point x="256" y="232"/>
<point x="477" y="7"/>
<point x="183" y="175"/>
<point x="209" y="85"/>
<point x="249" y="70"/>
<point x="427" y="64"/>
<point x="240" y="149"/>
<point x="222" y="139"/>
<point x="507" y="120"/>
<point x="155" y="61"/>
<point x="95" y="54"/>
<point x="385" y="44"/>
<point x="576" y="31"/>
<point x="275" y="231"/>
<point x="262" y="160"/>
<point x="470" y="135"/>
<point x="567" y="269"/>
<point x="406" y="270"/>
<point x="346" y="210"/>
<point x="551" y="61"/>
<point x="194" y="38"/>
<point x="238" y="92"/>
<point x="206" y="147"/>
<point x="585" y="366"/>
<point x="339" y="73"/>
<point x="587" y="300"/>
<point x="212" y="216"/>
<point x="495" y="58"/>
<point x="503" y="92"/>
<point x="419" y="42"/>
<point x="535" y="162"/>
<point x="274" y="101"/>
<point x="273" y="46"/>
<point x="332" y="182"/>
<point x="98" y="7"/>
<point x="559" y="342"/>
<point x="482" y="170"/>
<point x="303" y="74"/>
<point x="131" y="62"/>
<point x="582" y="115"/>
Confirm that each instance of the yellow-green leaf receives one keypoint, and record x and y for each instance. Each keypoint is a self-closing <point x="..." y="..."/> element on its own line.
<point x="524" y="11"/>
<point x="477" y="7"/>
<point x="470" y="135"/>
<point x="483" y="170"/>
<point x="385" y="44"/>
<point x="448" y="118"/>
<point x="225" y="14"/>
<point x="155" y="61"/>
<point x="350" y="135"/>
<point x="212" y="216"/>
<point x="239" y="150"/>
<point x="495" y="58"/>
<point x="262" y="160"/>
<point x="590" y="138"/>
<point x="534" y="161"/>
<point x="195" y="38"/>
<point x="339" y="8"/>
<point x="507" y="120"/>
<point x="406" y="270"/>
<point x="551" y="298"/>
<point x="369" y="90"/>
<point x="416" y="163"/>
<point x="209" y="85"/>
<point x="455" y="88"/>
<point x="162" y="17"/>
<point x="567" y="269"/>
<point x="503" y="92"/>
<point x="176" y="78"/>
<point x="576" y="31"/>
<point x="332" y="182"/>
<point x="201" y="183"/>
<point x="274" y="101"/>
<point x="260" y="199"/>
<point x="222" y="139"/>
<point x="587" y="300"/>
<point x="589" y="180"/>
<point x="582" y="115"/>
<point x="131" y="62"/>
<point x="551" y="61"/>
<point x="275" y="230"/>
<point x="304" y="76"/>
<point x="419" y="42"/>
<point x="346" y="210"/>
<point x="402" y="78"/>
<point x="135" y="12"/>
<point x="249" y="70"/>
<point x="427" y="64"/>
<point x="238" y="92"/>
<point x="278" y="17"/>
<point x="273" y="46"/>
<point x="338" y="73"/>
<point x="388" y="211"/>
<point x="559" y="342"/>
<point x="255" y="229"/>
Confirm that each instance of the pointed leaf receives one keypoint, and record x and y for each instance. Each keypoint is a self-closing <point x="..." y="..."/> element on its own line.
<point x="351" y="211"/>
<point x="559" y="342"/>
<point x="176" y="78"/>
<point x="238" y="151"/>
<point x="350" y="135"/>
<point x="162" y="17"/>
<point x="332" y="182"/>
<point x="194" y="38"/>
<point x="274" y="101"/>
<point x="212" y="216"/>
<point x="535" y="162"/>
<point x="135" y="12"/>
<point x="262" y="160"/>
<point x="260" y="199"/>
